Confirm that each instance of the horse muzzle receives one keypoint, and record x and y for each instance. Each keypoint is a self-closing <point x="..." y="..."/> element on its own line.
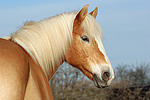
<point x="101" y="81"/>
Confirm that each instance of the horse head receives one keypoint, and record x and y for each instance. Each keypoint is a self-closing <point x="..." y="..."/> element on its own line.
<point x="87" y="52"/>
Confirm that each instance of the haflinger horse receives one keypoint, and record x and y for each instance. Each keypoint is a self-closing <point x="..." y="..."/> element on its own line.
<point x="30" y="56"/>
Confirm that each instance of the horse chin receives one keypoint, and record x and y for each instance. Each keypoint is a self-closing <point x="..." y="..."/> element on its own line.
<point x="86" y="72"/>
<point x="98" y="82"/>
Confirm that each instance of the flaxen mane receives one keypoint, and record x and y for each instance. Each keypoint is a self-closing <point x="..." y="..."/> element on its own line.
<point x="47" y="40"/>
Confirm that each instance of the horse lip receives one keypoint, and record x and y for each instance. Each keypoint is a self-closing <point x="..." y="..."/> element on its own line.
<point x="98" y="82"/>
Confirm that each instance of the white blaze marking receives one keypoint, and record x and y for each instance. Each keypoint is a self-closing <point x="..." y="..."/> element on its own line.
<point x="102" y="50"/>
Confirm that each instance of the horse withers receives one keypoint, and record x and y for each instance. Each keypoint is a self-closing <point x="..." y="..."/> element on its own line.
<point x="31" y="56"/>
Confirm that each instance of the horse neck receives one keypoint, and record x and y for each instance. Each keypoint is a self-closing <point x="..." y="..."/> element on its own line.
<point x="47" y="41"/>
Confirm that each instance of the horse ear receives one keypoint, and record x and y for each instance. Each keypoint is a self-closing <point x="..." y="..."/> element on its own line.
<point x="82" y="14"/>
<point x="94" y="12"/>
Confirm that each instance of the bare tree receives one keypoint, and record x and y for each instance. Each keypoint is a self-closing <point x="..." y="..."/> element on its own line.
<point x="121" y="71"/>
<point x="136" y="75"/>
<point x="65" y="79"/>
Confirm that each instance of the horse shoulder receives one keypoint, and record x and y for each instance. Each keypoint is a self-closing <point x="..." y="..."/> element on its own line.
<point x="37" y="84"/>
<point x="14" y="71"/>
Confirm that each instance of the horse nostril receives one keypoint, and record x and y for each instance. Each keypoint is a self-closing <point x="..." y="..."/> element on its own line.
<point x="106" y="76"/>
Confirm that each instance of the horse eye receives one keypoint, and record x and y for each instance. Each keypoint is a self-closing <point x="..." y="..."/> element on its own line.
<point x="85" y="38"/>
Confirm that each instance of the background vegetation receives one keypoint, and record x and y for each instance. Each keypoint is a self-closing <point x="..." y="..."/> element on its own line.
<point x="132" y="83"/>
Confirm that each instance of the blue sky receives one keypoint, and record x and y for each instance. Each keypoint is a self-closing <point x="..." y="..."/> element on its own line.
<point x="125" y="23"/>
